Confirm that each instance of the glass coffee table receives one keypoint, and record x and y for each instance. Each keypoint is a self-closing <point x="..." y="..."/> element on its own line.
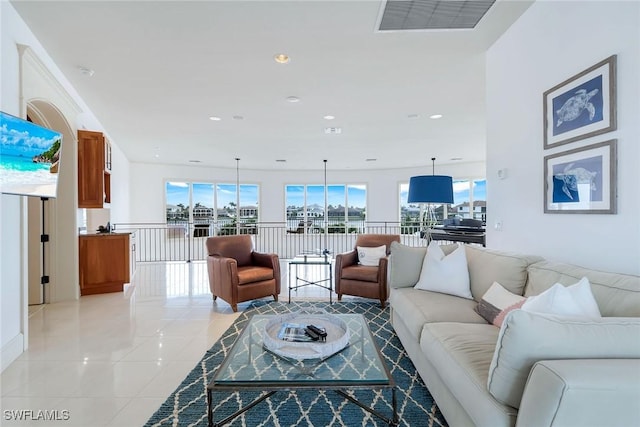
<point x="249" y="366"/>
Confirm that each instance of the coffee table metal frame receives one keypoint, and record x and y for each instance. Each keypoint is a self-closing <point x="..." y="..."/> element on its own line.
<point x="310" y="260"/>
<point x="269" y="388"/>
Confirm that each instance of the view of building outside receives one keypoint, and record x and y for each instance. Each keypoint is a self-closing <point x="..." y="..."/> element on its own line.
<point x="177" y="202"/>
<point x="470" y="193"/>
<point x="480" y="200"/>
<point x="209" y="205"/>
<point x="346" y="208"/>
<point x="203" y="202"/>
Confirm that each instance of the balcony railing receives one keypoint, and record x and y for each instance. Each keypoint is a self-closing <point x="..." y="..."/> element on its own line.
<point x="186" y="241"/>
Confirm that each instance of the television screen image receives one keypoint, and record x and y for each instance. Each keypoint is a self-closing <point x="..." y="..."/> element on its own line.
<point x="29" y="158"/>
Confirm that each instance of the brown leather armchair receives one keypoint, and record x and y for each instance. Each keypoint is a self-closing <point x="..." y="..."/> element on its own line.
<point x="237" y="273"/>
<point x="360" y="280"/>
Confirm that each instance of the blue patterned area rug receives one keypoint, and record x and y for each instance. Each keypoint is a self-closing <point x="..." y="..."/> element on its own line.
<point x="187" y="406"/>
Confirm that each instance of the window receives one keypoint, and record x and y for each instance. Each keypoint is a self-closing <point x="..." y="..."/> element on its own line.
<point x="346" y="208"/>
<point x="470" y="199"/>
<point x="357" y="207"/>
<point x="461" y="199"/>
<point x="203" y="203"/>
<point x="480" y="200"/>
<point x="177" y="202"/>
<point x="212" y="207"/>
<point x="409" y="213"/>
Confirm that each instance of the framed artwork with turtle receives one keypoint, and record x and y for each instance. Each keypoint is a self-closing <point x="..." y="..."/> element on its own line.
<point x="582" y="180"/>
<point x="582" y="106"/>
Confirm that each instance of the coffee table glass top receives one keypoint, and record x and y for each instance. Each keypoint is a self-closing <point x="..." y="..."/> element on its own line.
<point x="249" y="363"/>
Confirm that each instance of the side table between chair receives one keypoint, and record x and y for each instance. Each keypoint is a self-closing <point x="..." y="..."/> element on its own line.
<point x="301" y="282"/>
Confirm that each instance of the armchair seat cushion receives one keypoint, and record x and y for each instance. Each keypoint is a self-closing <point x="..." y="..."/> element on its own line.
<point x="251" y="274"/>
<point x="361" y="272"/>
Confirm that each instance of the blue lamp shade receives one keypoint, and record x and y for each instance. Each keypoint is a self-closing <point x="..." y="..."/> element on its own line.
<point x="430" y="189"/>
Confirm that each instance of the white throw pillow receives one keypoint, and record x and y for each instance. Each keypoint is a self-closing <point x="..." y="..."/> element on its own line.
<point x="445" y="274"/>
<point x="575" y="301"/>
<point x="371" y="256"/>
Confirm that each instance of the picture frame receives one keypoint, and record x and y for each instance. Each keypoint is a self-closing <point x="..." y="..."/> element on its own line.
<point x="582" y="180"/>
<point x="581" y="106"/>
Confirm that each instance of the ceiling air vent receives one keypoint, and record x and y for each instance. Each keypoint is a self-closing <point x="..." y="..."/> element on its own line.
<point x="432" y="14"/>
<point x="334" y="131"/>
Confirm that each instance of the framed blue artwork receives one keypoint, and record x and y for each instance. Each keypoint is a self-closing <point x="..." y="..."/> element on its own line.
<point x="582" y="180"/>
<point x="582" y="106"/>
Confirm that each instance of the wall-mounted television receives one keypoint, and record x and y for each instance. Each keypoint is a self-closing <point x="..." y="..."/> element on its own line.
<point x="29" y="157"/>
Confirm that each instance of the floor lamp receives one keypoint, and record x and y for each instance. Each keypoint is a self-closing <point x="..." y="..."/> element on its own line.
<point x="430" y="189"/>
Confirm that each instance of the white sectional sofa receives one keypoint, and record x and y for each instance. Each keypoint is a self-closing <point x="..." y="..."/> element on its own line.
<point x="535" y="370"/>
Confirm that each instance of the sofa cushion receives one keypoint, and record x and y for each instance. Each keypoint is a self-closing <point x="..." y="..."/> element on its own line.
<point x="461" y="353"/>
<point x="254" y="274"/>
<point x="360" y="272"/>
<point x="417" y="307"/>
<point x="487" y="266"/>
<point x="497" y="302"/>
<point x="587" y="392"/>
<point x="526" y="338"/>
<point x="405" y="263"/>
<point x="445" y="273"/>
<point x="616" y="294"/>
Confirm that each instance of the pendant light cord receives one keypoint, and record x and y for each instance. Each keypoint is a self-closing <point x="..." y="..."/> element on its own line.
<point x="238" y="195"/>
<point x="325" y="251"/>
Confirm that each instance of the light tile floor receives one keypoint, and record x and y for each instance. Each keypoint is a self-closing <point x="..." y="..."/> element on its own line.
<point x="112" y="359"/>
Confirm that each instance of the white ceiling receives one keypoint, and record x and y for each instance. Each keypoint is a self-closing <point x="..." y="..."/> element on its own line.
<point x="162" y="68"/>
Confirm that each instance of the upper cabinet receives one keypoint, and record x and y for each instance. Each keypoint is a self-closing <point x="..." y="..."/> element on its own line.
<point x="94" y="170"/>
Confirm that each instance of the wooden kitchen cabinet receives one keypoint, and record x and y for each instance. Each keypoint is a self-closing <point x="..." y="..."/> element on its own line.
<point x="94" y="170"/>
<point x="105" y="262"/>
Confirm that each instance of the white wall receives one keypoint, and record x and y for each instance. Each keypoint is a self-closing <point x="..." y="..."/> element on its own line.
<point x="13" y="327"/>
<point x="148" y="186"/>
<point x="44" y="84"/>
<point x="552" y="41"/>
<point x="12" y="286"/>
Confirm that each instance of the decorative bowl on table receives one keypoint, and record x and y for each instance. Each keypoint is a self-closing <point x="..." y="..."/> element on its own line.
<point x="284" y="335"/>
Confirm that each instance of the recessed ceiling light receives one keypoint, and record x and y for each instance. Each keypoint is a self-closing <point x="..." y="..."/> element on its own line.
<point x="86" y="71"/>
<point x="238" y="118"/>
<point x="329" y="117"/>
<point x="195" y="161"/>
<point x="281" y="160"/>
<point x="413" y="116"/>
<point x="282" y="58"/>
<point x="157" y="156"/>
<point x="292" y="99"/>
<point x="436" y="116"/>
<point x="456" y="158"/>
<point x="371" y="160"/>
<point x="215" y="118"/>
<point x="332" y="130"/>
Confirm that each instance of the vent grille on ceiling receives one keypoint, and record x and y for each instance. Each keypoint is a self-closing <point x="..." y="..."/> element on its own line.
<point x="432" y="14"/>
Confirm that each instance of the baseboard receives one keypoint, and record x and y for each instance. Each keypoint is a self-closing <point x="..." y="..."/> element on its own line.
<point x="11" y="351"/>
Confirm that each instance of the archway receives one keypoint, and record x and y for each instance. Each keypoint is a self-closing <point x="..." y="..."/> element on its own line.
<point x="53" y="279"/>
